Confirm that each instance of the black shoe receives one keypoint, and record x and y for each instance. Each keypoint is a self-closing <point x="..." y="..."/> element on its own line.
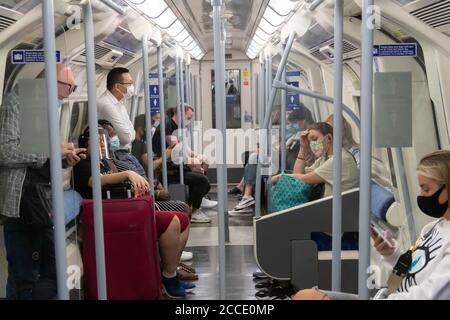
<point x="267" y="284"/>
<point x="235" y="191"/>
<point x="274" y="293"/>
<point x="260" y="275"/>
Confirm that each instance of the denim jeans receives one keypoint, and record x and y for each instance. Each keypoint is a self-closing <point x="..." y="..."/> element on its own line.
<point x="31" y="259"/>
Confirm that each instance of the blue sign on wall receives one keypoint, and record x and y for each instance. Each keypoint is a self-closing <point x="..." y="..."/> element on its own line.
<point x="31" y="56"/>
<point x="292" y="98"/>
<point x="293" y="74"/>
<point x="395" y="50"/>
<point x="154" y="99"/>
<point x="155" y="75"/>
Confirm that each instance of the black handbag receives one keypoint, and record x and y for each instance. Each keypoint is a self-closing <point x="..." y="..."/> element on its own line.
<point x="124" y="190"/>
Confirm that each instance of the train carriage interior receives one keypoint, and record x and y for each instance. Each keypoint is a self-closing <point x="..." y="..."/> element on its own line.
<point x="229" y="69"/>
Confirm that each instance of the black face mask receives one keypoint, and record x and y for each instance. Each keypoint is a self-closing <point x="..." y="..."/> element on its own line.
<point x="431" y="206"/>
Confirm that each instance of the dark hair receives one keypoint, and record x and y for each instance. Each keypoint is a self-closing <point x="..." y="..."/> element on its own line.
<point x="139" y="122"/>
<point x="83" y="139"/>
<point x="300" y="114"/>
<point x="171" y="112"/>
<point x="115" y="76"/>
<point x="323" y="127"/>
<point x="104" y="123"/>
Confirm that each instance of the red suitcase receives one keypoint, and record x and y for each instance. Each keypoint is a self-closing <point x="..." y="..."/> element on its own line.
<point x="131" y="256"/>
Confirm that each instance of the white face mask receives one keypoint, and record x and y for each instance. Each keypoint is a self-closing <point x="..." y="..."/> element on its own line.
<point x="130" y="91"/>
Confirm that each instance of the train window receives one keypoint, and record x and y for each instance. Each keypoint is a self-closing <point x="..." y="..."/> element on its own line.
<point x="78" y="119"/>
<point x="233" y="98"/>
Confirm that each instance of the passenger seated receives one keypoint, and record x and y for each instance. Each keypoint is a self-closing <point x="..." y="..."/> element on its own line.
<point x="172" y="227"/>
<point x="427" y="275"/>
<point x="298" y="120"/>
<point x="348" y="143"/>
<point x="319" y="138"/>
<point x="197" y="182"/>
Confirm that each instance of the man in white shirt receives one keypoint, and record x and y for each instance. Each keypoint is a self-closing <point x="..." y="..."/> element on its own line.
<point x="111" y="105"/>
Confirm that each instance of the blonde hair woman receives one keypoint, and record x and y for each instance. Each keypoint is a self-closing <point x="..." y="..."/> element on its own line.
<point x="427" y="275"/>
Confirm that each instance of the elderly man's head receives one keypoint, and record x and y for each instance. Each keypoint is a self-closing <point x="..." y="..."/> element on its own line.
<point x="66" y="81"/>
<point x="65" y="78"/>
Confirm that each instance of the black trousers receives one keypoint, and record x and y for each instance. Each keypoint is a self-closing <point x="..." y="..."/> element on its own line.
<point x="198" y="186"/>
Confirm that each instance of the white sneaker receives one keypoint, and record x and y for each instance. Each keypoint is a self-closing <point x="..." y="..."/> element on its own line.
<point x="241" y="213"/>
<point x="186" y="256"/>
<point x="208" y="204"/>
<point x="245" y="203"/>
<point x="200" y="217"/>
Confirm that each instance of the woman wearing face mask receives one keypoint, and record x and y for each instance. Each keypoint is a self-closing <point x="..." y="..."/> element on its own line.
<point x="172" y="226"/>
<point x="319" y="139"/>
<point x="427" y="270"/>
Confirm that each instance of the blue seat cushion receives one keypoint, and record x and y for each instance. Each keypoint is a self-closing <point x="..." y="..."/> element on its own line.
<point x="349" y="241"/>
<point x="72" y="205"/>
<point x="382" y="199"/>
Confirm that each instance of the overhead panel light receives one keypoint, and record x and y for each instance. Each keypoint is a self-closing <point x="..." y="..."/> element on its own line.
<point x="282" y="7"/>
<point x="267" y="27"/>
<point x="186" y="41"/>
<point x="175" y="29"/>
<point x="272" y="16"/>
<point x="166" y="19"/>
<point x="191" y="46"/>
<point x="183" y="36"/>
<point x="275" y="14"/>
<point x="262" y="35"/>
<point x="152" y="9"/>
<point x="161" y="14"/>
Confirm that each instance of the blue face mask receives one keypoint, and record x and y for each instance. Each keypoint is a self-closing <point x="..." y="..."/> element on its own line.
<point x="114" y="143"/>
<point x="156" y="123"/>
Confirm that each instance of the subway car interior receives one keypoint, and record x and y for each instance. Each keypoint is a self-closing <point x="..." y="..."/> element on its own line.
<point x="244" y="105"/>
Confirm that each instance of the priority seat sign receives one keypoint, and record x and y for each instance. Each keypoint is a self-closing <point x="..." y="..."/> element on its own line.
<point x="31" y="56"/>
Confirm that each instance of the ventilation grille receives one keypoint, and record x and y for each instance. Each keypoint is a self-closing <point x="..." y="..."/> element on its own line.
<point x="126" y="58"/>
<point x="435" y="15"/>
<point x="347" y="46"/>
<point x="5" y="22"/>
<point x="318" y="55"/>
<point x="99" y="52"/>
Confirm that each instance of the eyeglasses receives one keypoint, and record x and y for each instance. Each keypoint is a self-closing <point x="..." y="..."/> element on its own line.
<point x="130" y="83"/>
<point x="72" y="87"/>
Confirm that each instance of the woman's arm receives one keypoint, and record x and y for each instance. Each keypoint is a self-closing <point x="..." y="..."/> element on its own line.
<point x="309" y="178"/>
<point x="113" y="178"/>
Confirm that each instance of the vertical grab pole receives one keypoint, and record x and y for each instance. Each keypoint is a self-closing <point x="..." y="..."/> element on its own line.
<point x="223" y="113"/>
<point x="265" y="125"/>
<point x="283" y="122"/>
<point x="269" y="131"/>
<point x="180" y="112"/>
<point x="95" y="152"/>
<point x="405" y="194"/>
<point x="366" y="146"/>
<point x="162" y="112"/>
<point x="148" y="117"/>
<point x="337" y="146"/>
<point x="55" y="153"/>
<point x="182" y="125"/>
<point x="219" y="65"/>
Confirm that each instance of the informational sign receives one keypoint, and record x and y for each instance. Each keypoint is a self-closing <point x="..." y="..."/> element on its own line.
<point x="293" y="74"/>
<point x="395" y="50"/>
<point x="393" y="109"/>
<point x="245" y="81"/>
<point x="155" y="75"/>
<point x="292" y="98"/>
<point x="31" y="56"/>
<point x="154" y="99"/>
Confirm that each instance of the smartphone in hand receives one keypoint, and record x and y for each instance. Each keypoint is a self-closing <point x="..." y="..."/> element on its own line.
<point x="384" y="234"/>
